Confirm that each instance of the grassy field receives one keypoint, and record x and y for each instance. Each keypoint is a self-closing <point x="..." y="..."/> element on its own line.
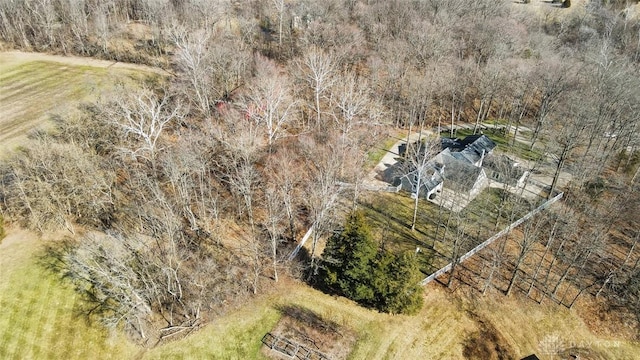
<point x="38" y="318"/>
<point x="31" y="89"/>
<point x="442" y="330"/>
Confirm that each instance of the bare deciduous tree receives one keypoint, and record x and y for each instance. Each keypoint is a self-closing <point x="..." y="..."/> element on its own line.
<point x="273" y="223"/>
<point x="525" y="243"/>
<point x="144" y="116"/>
<point x="554" y="78"/>
<point x="321" y="190"/>
<point x="54" y="185"/>
<point x="269" y="101"/>
<point x="354" y="105"/>
<point x="193" y="60"/>
<point x="319" y="70"/>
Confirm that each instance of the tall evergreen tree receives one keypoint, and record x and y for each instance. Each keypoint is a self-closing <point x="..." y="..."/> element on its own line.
<point x="398" y="289"/>
<point x="353" y="267"/>
<point x="347" y="260"/>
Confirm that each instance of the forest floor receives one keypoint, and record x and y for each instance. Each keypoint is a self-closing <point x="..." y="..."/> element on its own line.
<point x="35" y="86"/>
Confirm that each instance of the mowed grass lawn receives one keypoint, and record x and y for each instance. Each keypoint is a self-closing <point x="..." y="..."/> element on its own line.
<point x="32" y="90"/>
<point x="39" y="321"/>
<point x="390" y="216"/>
<point x="38" y="318"/>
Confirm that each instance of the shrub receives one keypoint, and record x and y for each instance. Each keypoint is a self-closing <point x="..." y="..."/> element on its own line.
<point x="397" y="284"/>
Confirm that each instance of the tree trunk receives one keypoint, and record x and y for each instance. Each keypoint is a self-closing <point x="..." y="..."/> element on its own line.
<point x="475" y="128"/>
<point x="514" y="277"/>
<point x="546" y="250"/>
<point x="561" y="161"/>
<point x="419" y="181"/>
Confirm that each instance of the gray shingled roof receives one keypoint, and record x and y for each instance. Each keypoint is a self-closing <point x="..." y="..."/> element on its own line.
<point x="505" y="168"/>
<point x="458" y="159"/>
<point x="459" y="173"/>
<point x="470" y="148"/>
<point x="480" y="146"/>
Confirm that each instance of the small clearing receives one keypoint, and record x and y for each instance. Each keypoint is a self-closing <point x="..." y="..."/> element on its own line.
<point x="308" y="335"/>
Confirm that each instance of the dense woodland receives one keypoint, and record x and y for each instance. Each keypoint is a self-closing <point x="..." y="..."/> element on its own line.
<point x="182" y="194"/>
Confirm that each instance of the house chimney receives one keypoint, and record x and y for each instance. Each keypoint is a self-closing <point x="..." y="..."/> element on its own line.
<point x="481" y="158"/>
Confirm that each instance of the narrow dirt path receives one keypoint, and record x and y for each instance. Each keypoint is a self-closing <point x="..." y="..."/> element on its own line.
<point x="13" y="57"/>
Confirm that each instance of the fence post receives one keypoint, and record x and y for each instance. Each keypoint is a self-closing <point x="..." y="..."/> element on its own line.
<point x="301" y="244"/>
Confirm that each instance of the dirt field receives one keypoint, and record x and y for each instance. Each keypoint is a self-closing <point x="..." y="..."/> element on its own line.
<point x="33" y="86"/>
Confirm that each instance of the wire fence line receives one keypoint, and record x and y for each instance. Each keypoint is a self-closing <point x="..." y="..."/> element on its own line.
<point x="464" y="257"/>
<point x="490" y="240"/>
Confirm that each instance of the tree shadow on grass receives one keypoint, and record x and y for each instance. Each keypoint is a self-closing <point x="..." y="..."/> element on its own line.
<point x="487" y="342"/>
<point x="53" y="259"/>
<point x="307" y="317"/>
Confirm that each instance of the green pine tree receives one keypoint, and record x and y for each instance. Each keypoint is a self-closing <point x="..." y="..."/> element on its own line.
<point x="353" y="267"/>
<point x="347" y="260"/>
<point x="403" y="293"/>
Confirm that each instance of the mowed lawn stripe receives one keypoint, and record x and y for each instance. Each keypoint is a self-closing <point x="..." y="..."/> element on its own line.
<point x="45" y="91"/>
<point x="48" y="316"/>
<point x="47" y="78"/>
<point x="21" y="70"/>
<point x="34" y="309"/>
<point x="40" y="318"/>
<point x="15" y="315"/>
<point x="19" y="115"/>
<point x="33" y="90"/>
<point x="34" y="313"/>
